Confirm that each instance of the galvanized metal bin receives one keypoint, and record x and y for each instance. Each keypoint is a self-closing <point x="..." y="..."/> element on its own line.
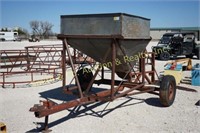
<point x="126" y="25"/>
<point x="90" y="36"/>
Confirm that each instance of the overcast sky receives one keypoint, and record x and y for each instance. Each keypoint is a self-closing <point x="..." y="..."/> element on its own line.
<point x="168" y="13"/>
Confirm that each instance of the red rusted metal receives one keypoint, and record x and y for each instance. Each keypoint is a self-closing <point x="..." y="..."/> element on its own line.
<point x="5" y="76"/>
<point x="63" y="54"/>
<point x="136" y="81"/>
<point x="73" y="68"/>
<point x="61" y="36"/>
<point x="113" y="69"/>
<point x="34" y="59"/>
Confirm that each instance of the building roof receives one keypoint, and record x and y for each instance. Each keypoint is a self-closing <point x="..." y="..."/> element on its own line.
<point x="173" y="33"/>
<point x="103" y="15"/>
<point x="176" y="28"/>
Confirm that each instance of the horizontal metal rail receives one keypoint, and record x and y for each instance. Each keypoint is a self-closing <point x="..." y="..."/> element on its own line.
<point x="31" y="60"/>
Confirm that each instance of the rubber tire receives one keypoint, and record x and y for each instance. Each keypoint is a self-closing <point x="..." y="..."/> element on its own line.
<point x="189" y="56"/>
<point x="3" y="39"/>
<point x="167" y="90"/>
<point x="164" y="56"/>
<point x="84" y="76"/>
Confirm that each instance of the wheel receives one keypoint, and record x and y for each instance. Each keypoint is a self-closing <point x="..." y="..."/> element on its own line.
<point x="167" y="90"/>
<point x="3" y="39"/>
<point x="189" y="56"/>
<point x="164" y="56"/>
<point x="84" y="76"/>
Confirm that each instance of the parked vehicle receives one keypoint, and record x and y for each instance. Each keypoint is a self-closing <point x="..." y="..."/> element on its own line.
<point x="34" y="38"/>
<point x="9" y="36"/>
<point x="176" y="44"/>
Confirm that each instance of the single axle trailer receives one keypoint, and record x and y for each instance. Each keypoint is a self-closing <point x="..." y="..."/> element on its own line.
<point x="132" y="69"/>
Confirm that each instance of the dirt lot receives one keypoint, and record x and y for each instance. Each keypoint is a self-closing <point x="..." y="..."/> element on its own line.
<point x="139" y="113"/>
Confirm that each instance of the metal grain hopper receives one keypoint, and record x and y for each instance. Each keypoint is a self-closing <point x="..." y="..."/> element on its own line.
<point x="131" y="32"/>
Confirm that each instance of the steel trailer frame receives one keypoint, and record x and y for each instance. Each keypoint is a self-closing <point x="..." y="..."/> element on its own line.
<point x="117" y="90"/>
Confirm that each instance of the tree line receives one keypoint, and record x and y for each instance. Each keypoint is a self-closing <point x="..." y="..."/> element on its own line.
<point x="42" y="29"/>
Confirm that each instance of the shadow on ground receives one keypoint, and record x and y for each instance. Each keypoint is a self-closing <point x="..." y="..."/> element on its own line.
<point x="153" y="102"/>
<point x="89" y="109"/>
<point x="57" y="94"/>
<point x="83" y="110"/>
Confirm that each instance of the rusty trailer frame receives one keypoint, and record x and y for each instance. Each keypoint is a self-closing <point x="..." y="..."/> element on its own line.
<point x="136" y="81"/>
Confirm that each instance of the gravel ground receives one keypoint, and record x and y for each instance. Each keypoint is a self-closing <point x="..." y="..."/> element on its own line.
<point x="139" y="113"/>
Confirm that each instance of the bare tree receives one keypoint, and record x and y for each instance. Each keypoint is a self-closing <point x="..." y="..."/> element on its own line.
<point x="40" y="28"/>
<point x="46" y="28"/>
<point x="35" y="26"/>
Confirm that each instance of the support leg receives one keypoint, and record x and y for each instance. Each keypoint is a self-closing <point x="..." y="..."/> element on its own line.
<point x="102" y="73"/>
<point x="113" y="69"/>
<point x="46" y="129"/>
<point x="63" y="54"/>
<point x="73" y="68"/>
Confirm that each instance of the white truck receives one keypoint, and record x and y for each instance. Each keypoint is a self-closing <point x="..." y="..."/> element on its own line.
<point x="9" y="36"/>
